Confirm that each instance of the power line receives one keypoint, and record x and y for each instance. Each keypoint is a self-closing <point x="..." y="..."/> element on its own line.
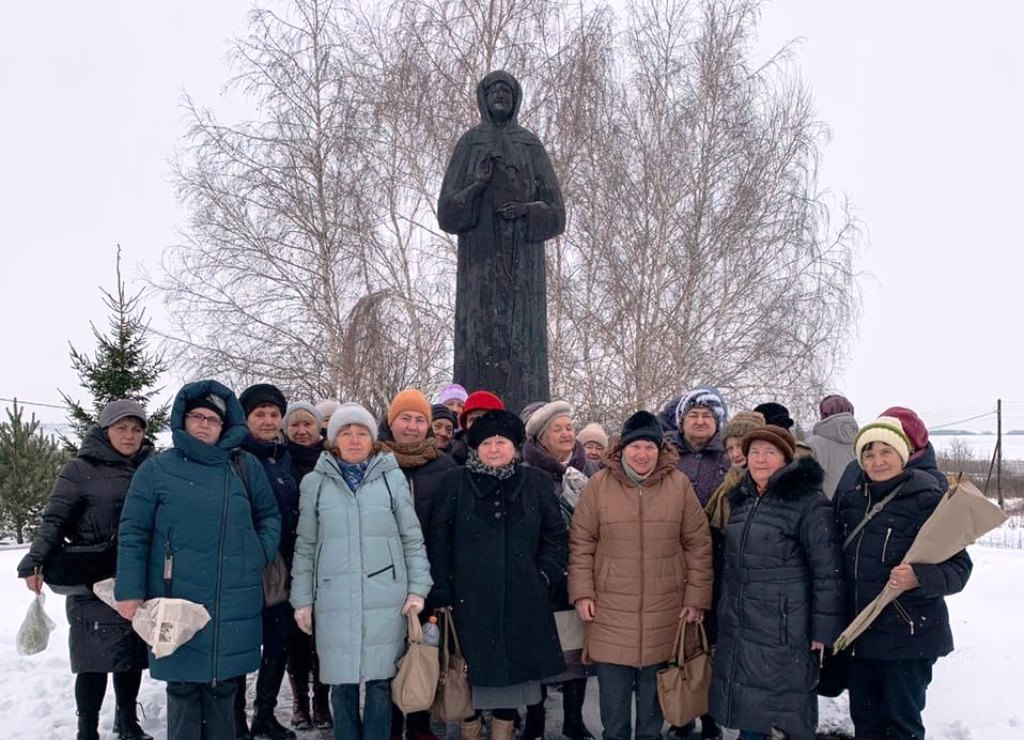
<point x="32" y="403"/>
<point x="961" y="421"/>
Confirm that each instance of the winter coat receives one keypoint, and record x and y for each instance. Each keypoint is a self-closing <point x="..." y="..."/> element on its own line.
<point x="187" y="505"/>
<point x="916" y="624"/>
<point x="497" y="551"/>
<point x="923" y="460"/>
<point x="357" y="556"/>
<point x="641" y="553"/>
<point x="423" y="479"/>
<point x="782" y="588"/>
<point x="304" y="458"/>
<point x="84" y="509"/>
<point x="718" y="511"/>
<point x="831" y="443"/>
<point x="277" y="464"/>
<point x="706" y="467"/>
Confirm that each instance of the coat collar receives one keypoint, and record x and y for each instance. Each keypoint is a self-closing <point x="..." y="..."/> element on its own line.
<point x="788" y="483"/>
<point x="667" y="458"/>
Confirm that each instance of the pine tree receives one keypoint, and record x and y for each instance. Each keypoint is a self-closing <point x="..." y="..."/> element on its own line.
<point x="29" y="464"/>
<point x="121" y="368"/>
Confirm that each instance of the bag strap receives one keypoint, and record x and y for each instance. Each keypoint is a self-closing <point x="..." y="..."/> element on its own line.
<point x="455" y="635"/>
<point x="871" y="514"/>
<point x="677" y="646"/>
<point x="415" y="631"/>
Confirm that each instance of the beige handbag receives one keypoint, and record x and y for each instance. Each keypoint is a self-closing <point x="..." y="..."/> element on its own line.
<point x="683" y="685"/>
<point x="570" y="630"/>
<point x="454" y="701"/>
<point x="414" y="686"/>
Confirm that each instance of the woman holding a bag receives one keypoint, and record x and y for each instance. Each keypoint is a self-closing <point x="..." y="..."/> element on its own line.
<point x="360" y="567"/>
<point x="497" y="548"/>
<point x="891" y="663"/>
<point x="85" y="508"/>
<point x="640" y="561"/>
<point x="551" y="446"/>
<point x="782" y="600"/>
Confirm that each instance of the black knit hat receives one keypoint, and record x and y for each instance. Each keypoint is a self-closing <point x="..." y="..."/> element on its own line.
<point x="440" y="411"/>
<point x="262" y="394"/>
<point x="210" y="402"/>
<point x="641" y="425"/>
<point x="775" y="414"/>
<point x="497" y="423"/>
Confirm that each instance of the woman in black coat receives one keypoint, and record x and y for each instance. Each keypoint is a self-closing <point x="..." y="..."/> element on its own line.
<point x="84" y="509"/>
<point x="497" y="547"/>
<point x="891" y="663"/>
<point x="782" y="599"/>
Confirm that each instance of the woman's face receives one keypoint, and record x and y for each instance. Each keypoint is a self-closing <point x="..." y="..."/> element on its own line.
<point x="496" y="451"/>
<point x="734" y="449"/>
<point x="264" y="422"/>
<point x="126" y="436"/>
<point x="353" y="443"/>
<point x="559" y="438"/>
<point x="764" y="460"/>
<point x="443" y="430"/>
<point x="880" y="461"/>
<point x="641" y="456"/>
<point x="302" y="429"/>
<point x="594" y="450"/>
<point x="455" y="405"/>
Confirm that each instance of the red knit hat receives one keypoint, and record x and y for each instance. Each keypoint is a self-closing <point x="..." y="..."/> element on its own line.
<point x="913" y="427"/>
<point x="479" y="401"/>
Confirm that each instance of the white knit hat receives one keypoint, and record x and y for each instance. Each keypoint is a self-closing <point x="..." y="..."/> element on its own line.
<point x="350" y="413"/>
<point x="885" y="429"/>
<point x="543" y="416"/>
<point x="593" y="432"/>
<point x="302" y="406"/>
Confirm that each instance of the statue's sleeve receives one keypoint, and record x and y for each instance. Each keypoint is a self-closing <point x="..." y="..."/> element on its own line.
<point x="458" y="207"/>
<point x="546" y="215"/>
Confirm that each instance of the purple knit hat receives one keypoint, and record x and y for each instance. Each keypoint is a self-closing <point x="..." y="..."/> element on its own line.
<point x="452" y="391"/>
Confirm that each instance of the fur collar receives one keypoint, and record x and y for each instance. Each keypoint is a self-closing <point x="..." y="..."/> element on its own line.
<point x="792" y="481"/>
<point x="667" y="459"/>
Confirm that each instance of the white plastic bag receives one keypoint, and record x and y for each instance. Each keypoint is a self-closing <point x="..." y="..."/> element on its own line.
<point x="34" y="633"/>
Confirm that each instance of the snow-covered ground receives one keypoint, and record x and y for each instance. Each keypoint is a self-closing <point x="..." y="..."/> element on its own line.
<point x="974" y="695"/>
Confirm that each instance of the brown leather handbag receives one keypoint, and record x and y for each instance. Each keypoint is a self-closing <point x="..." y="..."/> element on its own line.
<point x="453" y="701"/>
<point x="683" y="685"/>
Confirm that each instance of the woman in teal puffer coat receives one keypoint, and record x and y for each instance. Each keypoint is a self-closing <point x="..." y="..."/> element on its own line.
<point x="191" y="530"/>
<point x="360" y="566"/>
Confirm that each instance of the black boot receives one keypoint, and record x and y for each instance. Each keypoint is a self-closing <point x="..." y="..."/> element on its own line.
<point x="573" y="694"/>
<point x="126" y="724"/>
<point x="88" y="726"/>
<point x="241" y="723"/>
<point x="269" y="727"/>
<point x="300" y="701"/>
<point x="322" y="706"/>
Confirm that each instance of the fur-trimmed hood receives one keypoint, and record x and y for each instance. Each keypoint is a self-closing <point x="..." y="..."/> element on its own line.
<point x="667" y="459"/>
<point x="788" y="483"/>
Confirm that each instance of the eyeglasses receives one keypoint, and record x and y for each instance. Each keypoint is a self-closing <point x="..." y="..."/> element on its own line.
<point x="203" y="419"/>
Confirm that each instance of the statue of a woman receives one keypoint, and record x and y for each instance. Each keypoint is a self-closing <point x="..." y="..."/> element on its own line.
<point x="501" y="196"/>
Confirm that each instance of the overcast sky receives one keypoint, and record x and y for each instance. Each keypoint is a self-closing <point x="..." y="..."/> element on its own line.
<point x="925" y="101"/>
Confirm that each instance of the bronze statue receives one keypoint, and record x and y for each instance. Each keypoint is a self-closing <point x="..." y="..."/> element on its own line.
<point x="501" y="196"/>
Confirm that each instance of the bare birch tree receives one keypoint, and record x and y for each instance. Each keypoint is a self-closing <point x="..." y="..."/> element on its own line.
<point x="699" y="245"/>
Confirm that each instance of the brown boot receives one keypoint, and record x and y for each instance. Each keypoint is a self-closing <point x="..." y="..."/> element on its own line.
<point x="469" y="729"/>
<point x="322" y="706"/>
<point x="300" y="702"/>
<point x="502" y="729"/>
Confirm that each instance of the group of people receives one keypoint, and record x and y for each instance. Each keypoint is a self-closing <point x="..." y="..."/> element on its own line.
<point x="464" y="511"/>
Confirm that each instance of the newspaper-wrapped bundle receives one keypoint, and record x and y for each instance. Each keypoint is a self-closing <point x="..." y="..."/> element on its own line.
<point x="165" y="624"/>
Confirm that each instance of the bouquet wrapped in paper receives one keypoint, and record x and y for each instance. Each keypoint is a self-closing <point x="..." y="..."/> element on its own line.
<point x="961" y="517"/>
<point x="164" y="623"/>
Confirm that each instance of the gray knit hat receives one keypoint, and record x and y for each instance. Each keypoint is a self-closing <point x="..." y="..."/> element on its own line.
<point x="114" y="411"/>
<point x="350" y="413"/>
<point x="301" y="406"/>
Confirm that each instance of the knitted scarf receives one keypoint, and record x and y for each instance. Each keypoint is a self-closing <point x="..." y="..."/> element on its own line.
<point x="413" y="454"/>
<point x="352" y="472"/>
<point x="475" y="465"/>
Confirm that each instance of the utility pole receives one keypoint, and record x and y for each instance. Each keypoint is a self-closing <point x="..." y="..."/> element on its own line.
<point x="999" y="452"/>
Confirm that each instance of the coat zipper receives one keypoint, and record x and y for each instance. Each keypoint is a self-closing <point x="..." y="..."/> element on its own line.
<point x="743" y="547"/>
<point x="220" y="570"/>
<point x="885" y="544"/>
<point x="640" y="611"/>
<point x="903" y="613"/>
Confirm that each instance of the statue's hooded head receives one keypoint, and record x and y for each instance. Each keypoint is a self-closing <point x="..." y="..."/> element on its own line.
<point x="499" y="96"/>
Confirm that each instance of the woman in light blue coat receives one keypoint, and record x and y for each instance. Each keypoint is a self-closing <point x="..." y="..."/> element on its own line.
<point x="360" y="566"/>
